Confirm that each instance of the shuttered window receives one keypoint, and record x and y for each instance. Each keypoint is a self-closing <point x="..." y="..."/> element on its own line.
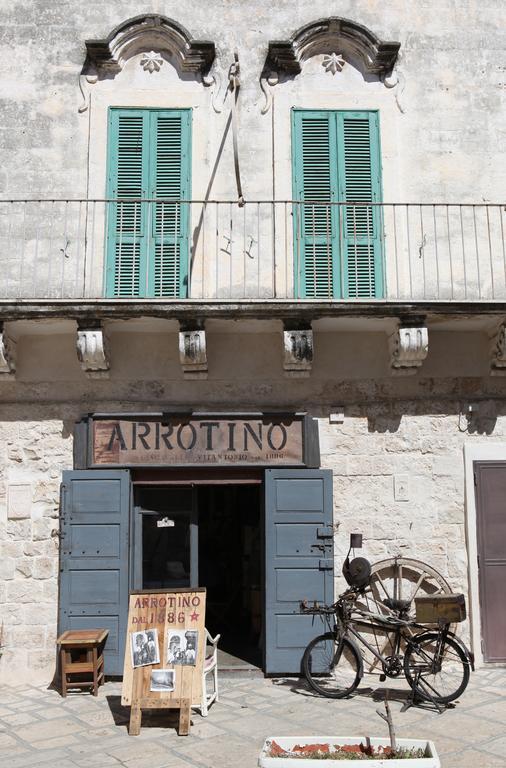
<point x="147" y="242"/>
<point x="338" y="248"/>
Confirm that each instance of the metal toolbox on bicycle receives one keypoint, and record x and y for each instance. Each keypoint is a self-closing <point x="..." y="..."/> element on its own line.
<point x="440" y="608"/>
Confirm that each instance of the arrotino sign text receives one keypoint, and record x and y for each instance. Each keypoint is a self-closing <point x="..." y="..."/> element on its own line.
<point x="198" y="441"/>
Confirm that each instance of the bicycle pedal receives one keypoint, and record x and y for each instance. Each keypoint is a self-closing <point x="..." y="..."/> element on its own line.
<point x="383" y="678"/>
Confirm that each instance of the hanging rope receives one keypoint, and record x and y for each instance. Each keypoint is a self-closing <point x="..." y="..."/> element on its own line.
<point x="235" y="84"/>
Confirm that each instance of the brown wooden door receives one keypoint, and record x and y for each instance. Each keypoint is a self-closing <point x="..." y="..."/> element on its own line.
<point x="490" y="482"/>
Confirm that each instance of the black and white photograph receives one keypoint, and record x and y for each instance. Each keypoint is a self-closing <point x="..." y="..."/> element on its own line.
<point x="163" y="680"/>
<point x="182" y="646"/>
<point x="144" y="646"/>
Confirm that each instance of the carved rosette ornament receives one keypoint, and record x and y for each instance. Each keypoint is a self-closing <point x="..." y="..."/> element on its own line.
<point x="498" y="352"/>
<point x="193" y="354"/>
<point x="333" y="63"/>
<point x="298" y="353"/>
<point x="408" y="349"/>
<point x="151" y="62"/>
<point x="92" y="353"/>
<point x="7" y="354"/>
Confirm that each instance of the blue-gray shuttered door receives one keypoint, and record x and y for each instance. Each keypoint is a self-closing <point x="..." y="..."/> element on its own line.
<point x="94" y="557"/>
<point x="299" y="561"/>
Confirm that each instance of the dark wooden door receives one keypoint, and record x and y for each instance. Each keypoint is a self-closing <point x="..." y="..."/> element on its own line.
<point x="299" y="561"/>
<point x="490" y="482"/>
<point x="94" y="557"/>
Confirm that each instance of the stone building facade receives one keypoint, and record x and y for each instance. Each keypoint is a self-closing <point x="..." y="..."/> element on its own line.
<point x="405" y="382"/>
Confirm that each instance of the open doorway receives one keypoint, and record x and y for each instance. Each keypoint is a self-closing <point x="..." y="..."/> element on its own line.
<point x="230" y="567"/>
<point x="208" y="536"/>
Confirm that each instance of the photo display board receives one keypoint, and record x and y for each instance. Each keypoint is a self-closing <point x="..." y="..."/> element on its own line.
<point x="164" y="653"/>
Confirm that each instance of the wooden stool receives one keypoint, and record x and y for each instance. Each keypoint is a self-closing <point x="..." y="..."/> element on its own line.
<point x="88" y="646"/>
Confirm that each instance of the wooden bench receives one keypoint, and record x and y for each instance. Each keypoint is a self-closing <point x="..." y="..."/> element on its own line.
<point x="82" y="653"/>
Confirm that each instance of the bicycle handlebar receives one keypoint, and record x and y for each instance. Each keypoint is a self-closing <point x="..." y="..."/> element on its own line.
<point x="319" y="608"/>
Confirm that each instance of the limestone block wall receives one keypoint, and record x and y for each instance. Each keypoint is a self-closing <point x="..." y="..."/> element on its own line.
<point x="366" y="453"/>
<point x="427" y="452"/>
<point x="32" y="457"/>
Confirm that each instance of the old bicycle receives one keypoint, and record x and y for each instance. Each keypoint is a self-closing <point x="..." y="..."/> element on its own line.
<point x="436" y="664"/>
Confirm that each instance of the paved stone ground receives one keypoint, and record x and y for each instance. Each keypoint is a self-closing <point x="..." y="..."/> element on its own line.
<point x="39" y="728"/>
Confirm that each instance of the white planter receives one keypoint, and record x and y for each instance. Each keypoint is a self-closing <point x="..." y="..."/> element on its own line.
<point x="431" y="759"/>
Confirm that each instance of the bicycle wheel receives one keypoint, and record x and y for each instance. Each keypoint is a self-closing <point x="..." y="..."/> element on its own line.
<point x="328" y="673"/>
<point x="443" y="681"/>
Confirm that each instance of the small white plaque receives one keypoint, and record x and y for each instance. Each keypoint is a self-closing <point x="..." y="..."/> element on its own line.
<point x="401" y="487"/>
<point x="19" y="501"/>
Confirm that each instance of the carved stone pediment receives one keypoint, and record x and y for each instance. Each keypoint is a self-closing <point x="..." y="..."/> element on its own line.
<point x="408" y="347"/>
<point x="297" y="353"/>
<point x="151" y="33"/>
<point x="92" y="352"/>
<point x="329" y="35"/>
<point x="193" y="353"/>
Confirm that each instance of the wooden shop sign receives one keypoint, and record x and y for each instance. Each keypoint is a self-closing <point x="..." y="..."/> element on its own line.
<point x="199" y="440"/>
<point x="164" y="653"/>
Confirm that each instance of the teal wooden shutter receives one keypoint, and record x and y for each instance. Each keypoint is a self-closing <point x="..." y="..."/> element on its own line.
<point x="359" y="182"/>
<point x="147" y="243"/>
<point x="127" y="178"/>
<point x="338" y="249"/>
<point x="315" y="224"/>
<point x="170" y="174"/>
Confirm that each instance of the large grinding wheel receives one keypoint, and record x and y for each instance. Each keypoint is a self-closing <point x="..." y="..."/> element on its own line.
<point x="398" y="578"/>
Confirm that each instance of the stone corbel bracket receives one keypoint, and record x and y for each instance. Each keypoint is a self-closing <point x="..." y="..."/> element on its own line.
<point x="7" y="354"/>
<point x="93" y="353"/>
<point x="84" y="86"/>
<point x="408" y="346"/>
<point x="193" y="353"/>
<point x="298" y="351"/>
<point x="267" y="83"/>
<point x="498" y="352"/>
<point x="213" y="80"/>
<point x="395" y="79"/>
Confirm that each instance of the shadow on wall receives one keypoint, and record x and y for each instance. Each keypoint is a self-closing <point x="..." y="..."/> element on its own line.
<point x="479" y="418"/>
<point x="387" y="422"/>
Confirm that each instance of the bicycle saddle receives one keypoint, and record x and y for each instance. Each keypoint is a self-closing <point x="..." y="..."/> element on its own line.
<point x="402" y="606"/>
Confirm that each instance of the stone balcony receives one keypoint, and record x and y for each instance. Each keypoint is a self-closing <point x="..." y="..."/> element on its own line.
<point x="399" y="269"/>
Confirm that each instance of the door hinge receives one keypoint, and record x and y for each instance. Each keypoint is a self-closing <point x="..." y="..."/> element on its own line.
<point x="475" y="480"/>
<point x="326" y="564"/>
<point x="326" y="532"/>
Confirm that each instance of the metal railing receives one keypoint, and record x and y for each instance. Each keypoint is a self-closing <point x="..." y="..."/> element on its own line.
<point x="264" y="249"/>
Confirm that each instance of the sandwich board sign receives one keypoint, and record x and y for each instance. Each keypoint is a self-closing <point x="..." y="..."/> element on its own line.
<point x="164" y="653"/>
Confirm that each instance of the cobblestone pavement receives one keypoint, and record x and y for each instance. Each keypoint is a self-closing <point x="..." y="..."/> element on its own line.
<point x="39" y="728"/>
